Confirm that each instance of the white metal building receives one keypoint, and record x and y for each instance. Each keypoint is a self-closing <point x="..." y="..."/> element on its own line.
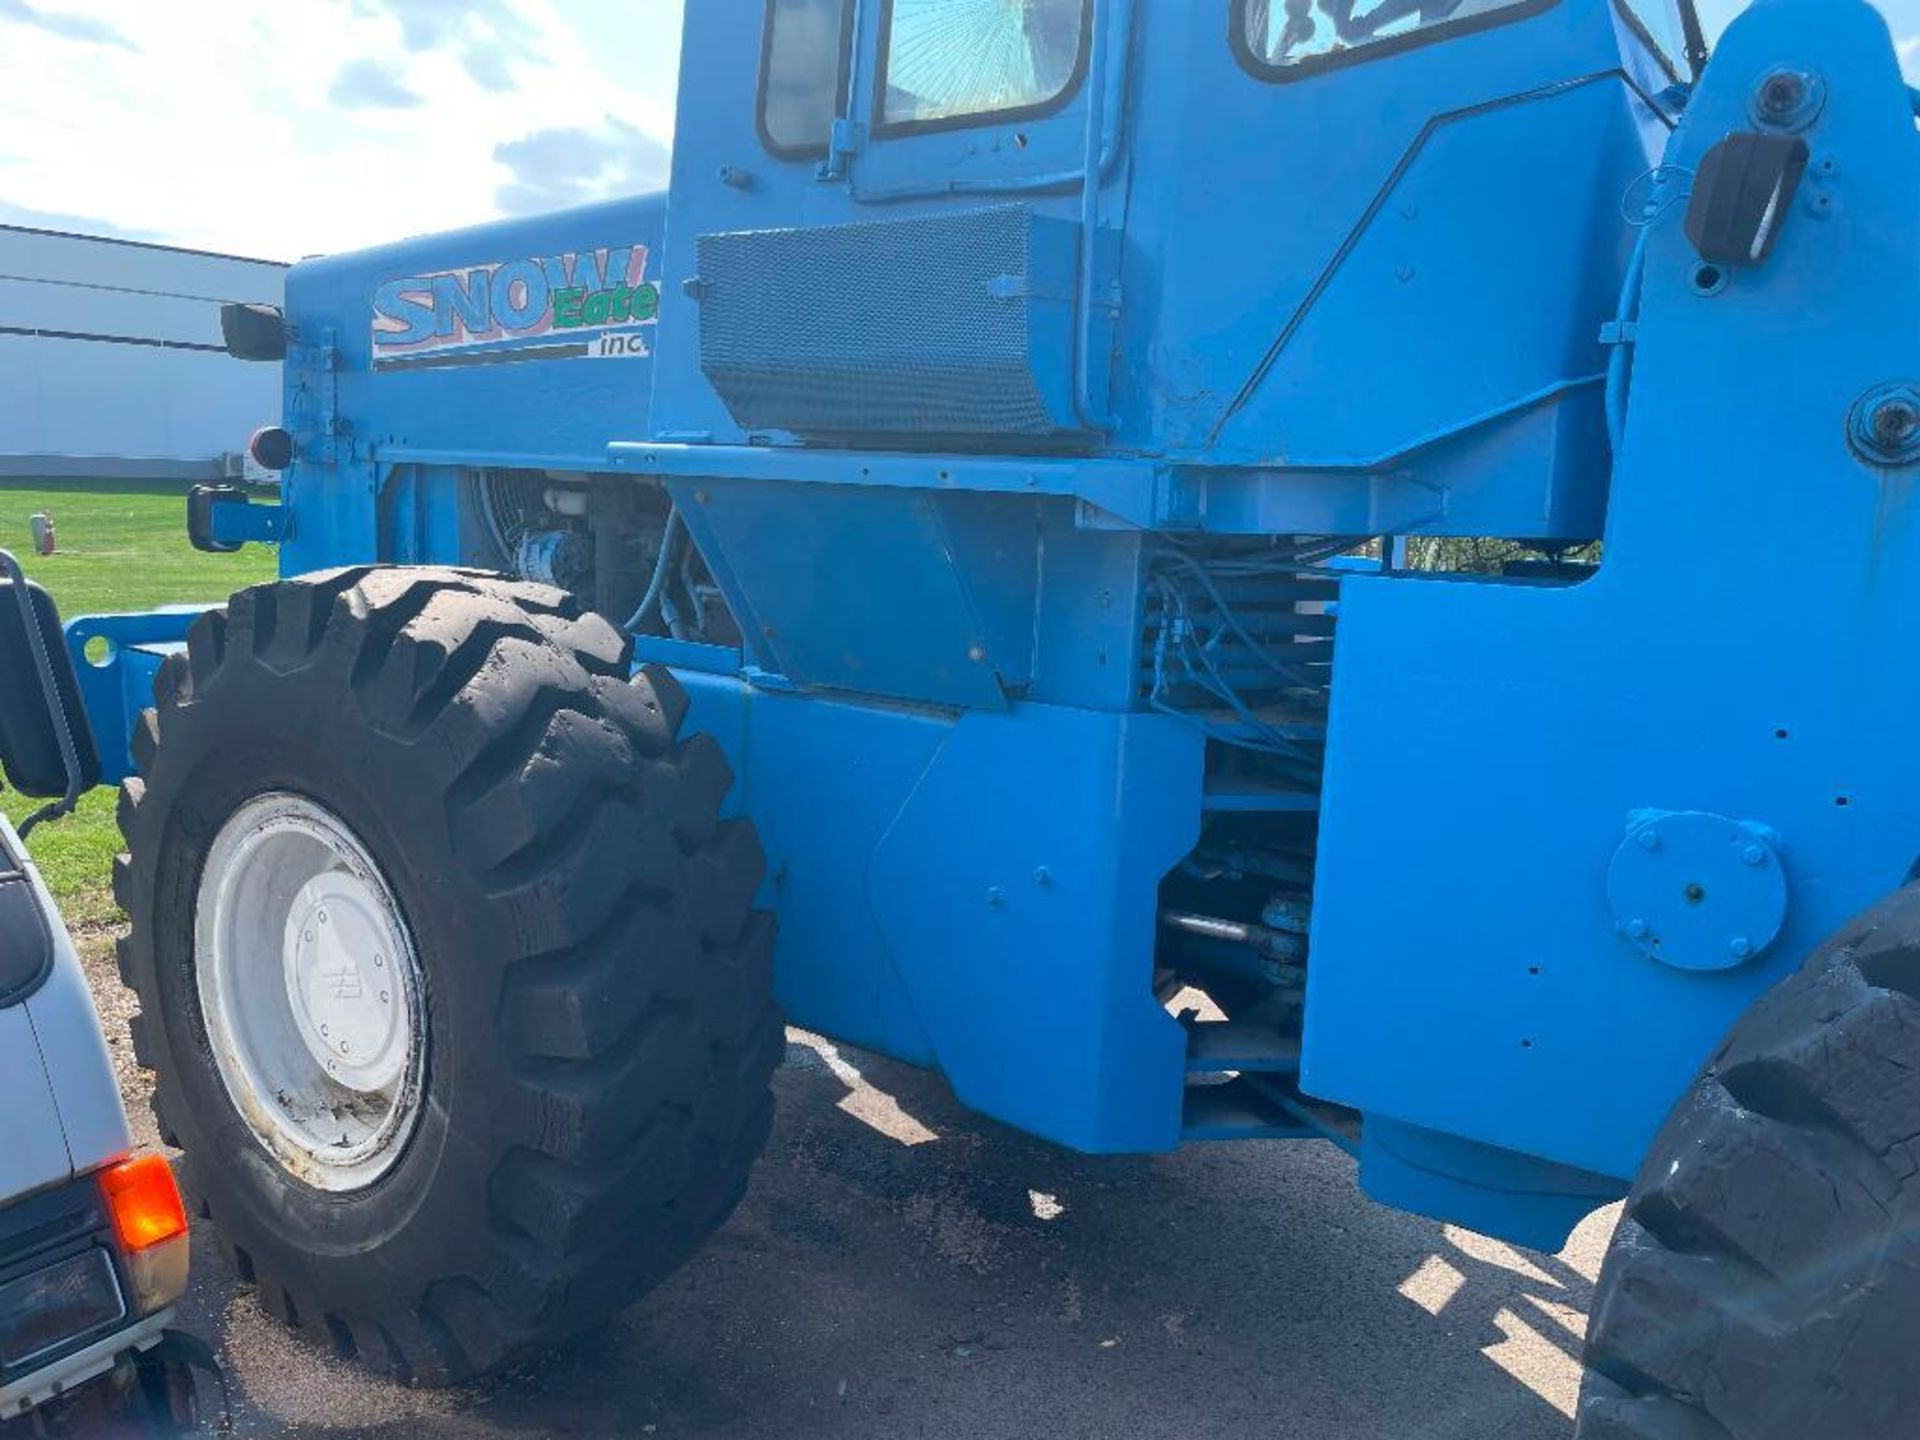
<point x="111" y="364"/>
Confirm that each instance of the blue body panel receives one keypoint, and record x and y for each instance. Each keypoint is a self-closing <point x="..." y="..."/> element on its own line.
<point x="1025" y="974"/>
<point x="1036" y="601"/>
<point x="1742" y="650"/>
<point x="116" y="682"/>
<point x="471" y="399"/>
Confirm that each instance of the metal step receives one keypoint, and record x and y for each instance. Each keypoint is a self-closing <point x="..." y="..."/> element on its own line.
<point x="1284" y="721"/>
<point x="1320" y="1117"/>
<point x="1235" y="1111"/>
<point x="1219" y="1046"/>
<point x="1241" y="794"/>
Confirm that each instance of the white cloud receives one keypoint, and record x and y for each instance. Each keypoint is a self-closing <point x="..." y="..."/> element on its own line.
<point x="221" y="124"/>
<point x="492" y="39"/>
<point x="11" y="214"/>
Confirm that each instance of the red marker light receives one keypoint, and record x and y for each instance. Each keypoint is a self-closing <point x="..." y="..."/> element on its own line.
<point x="145" y="1202"/>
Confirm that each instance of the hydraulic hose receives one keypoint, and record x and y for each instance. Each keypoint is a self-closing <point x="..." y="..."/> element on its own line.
<point x="1620" y="362"/>
<point x="662" y="570"/>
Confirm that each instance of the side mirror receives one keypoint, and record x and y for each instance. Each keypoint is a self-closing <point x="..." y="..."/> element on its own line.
<point x="46" y="745"/>
<point x="200" y="502"/>
<point x="254" y="332"/>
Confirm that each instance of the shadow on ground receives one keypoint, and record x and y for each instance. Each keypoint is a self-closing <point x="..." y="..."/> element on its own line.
<point x="901" y="1269"/>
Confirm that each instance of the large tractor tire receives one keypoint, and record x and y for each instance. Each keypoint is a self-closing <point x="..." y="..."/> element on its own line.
<point x="447" y="964"/>
<point x="1765" y="1281"/>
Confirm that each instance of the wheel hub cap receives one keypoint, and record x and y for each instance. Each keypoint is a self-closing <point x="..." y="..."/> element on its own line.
<point x="311" y="992"/>
<point x="336" y="946"/>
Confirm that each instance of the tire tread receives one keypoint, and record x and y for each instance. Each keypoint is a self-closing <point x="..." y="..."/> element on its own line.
<point x="634" y="1097"/>
<point x="1773" y="1223"/>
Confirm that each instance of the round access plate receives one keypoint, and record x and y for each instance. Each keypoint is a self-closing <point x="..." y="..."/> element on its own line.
<point x="1697" y="891"/>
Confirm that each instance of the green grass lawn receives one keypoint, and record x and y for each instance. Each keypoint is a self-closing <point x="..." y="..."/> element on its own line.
<point x="120" y="549"/>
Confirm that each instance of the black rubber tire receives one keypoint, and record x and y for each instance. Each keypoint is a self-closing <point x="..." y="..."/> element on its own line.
<point x="601" y="1032"/>
<point x="1765" y="1280"/>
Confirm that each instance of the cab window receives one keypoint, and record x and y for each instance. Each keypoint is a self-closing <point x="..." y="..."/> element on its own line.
<point x="953" y="62"/>
<point x="803" y="73"/>
<point x="1298" y="35"/>
<point x="1658" y="23"/>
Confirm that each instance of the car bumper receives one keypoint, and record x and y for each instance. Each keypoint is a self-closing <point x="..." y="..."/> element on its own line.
<point x="53" y="1337"/>
<point x="63" y="1376"/>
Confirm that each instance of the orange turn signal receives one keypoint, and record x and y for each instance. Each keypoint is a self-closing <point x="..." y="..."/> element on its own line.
<point x="144" y="1201"/>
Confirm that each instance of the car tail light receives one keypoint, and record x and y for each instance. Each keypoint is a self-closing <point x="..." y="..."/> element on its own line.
<point x="144" y="1202"/>
<point x="151" y="1224"/>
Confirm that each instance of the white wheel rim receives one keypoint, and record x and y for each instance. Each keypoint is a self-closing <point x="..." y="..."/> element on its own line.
<point x="311" y="992"/>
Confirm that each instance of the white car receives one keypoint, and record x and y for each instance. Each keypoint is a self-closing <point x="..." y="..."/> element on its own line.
<point x="93" y="1238"/>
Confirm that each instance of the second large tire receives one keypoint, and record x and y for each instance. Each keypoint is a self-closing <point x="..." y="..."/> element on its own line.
<point x="1765" y="1281"/>
<point x="597" y="1024"/>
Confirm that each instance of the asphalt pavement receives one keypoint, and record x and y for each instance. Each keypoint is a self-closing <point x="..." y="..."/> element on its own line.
<point x="902" y="1269"/>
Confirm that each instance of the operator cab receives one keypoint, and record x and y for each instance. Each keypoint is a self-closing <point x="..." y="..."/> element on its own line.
<point x="884" y="238"/>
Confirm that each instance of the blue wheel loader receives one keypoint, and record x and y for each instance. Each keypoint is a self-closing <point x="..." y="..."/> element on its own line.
<point x="1395" y="516"/>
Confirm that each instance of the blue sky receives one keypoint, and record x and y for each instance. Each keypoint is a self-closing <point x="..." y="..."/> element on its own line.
<point x="288" y="127"/>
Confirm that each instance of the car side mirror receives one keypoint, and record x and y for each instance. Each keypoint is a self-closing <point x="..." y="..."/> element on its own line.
<point x="254" y="332"/>
<point x="46" y="745"/>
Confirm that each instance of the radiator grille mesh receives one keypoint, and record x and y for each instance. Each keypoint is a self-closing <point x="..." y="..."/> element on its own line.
<point x="925" y="326"/>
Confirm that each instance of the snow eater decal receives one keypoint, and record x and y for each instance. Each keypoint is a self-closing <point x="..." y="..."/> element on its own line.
<point x="581" y="305"/>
